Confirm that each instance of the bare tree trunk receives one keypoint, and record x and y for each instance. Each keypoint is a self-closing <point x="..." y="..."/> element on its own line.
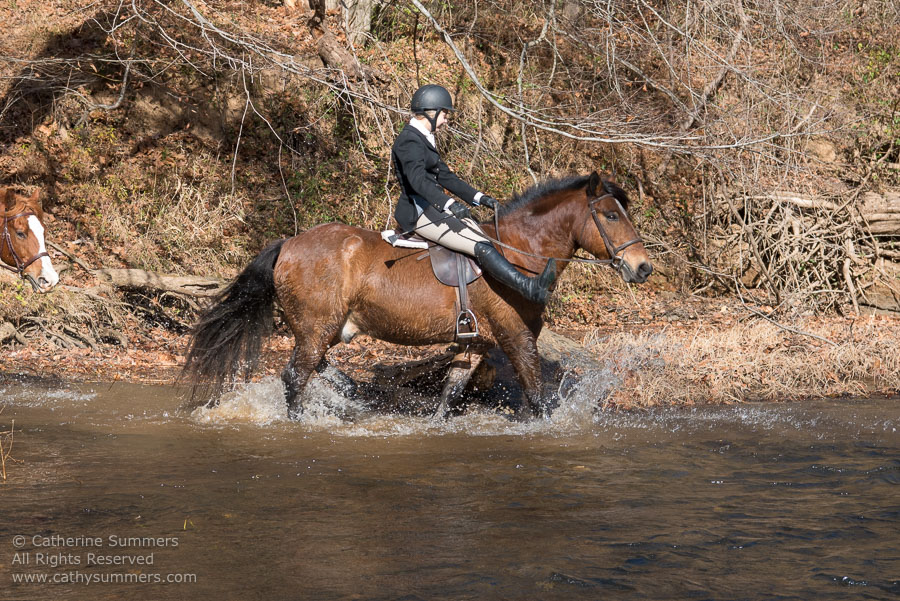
<point x="330" y="50"/>
<point x="317" y="20"/>
<point x="358" y="19"/>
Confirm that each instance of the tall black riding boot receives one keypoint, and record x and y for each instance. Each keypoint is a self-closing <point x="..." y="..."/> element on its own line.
<point x="535" y="289"/>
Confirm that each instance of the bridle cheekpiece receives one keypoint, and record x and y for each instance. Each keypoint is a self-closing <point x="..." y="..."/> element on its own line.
<point x="613" y="251"/>
<point x="6" y="239"/>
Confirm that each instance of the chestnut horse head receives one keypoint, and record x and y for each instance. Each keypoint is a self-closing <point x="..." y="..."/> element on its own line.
<point x="335" y="281"/>
<point x="22" y="247"/>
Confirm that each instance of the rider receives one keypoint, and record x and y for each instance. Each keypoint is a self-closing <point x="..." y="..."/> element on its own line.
<point x="425" y="208"/>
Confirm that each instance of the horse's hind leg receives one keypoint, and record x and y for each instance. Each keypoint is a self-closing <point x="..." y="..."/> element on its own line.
<point x="294" y="382"/>
<point x="308" y="354"/>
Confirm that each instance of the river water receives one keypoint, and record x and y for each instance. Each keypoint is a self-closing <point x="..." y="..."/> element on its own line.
<point x="115" y="494"/>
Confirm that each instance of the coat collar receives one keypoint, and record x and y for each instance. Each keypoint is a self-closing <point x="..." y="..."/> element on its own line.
<point x="420" y="127"/>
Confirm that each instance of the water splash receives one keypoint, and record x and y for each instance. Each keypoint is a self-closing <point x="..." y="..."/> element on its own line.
<point x="329" y="406"/>
<point x="580" y="397"/>
<point x="52" y="398"/>
<point x="261" y="403"/>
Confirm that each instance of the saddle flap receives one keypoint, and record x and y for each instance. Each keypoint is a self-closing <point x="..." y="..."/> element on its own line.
<point x="443" y="263"/>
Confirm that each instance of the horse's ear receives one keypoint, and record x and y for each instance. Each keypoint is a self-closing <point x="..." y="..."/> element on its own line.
<point x="35" y="199"/>
<point x="4" y="194"/>
<point x="594" y="184"/>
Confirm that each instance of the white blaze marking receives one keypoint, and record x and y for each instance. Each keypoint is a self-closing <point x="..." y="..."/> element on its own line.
<point x="47" y="272"/>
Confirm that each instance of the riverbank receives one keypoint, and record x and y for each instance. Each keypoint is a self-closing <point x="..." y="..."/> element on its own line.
<point x="669" y="351"/>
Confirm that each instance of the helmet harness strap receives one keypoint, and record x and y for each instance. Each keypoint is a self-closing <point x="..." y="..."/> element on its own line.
<point x="433" y="120"/>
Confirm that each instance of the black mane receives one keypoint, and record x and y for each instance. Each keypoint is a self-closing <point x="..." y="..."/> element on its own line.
<point x="561" y="184"/>
<point x="618" y="193"/>
<point x="542" y="189"/>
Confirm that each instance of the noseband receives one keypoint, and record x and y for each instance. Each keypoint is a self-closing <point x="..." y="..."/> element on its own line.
<point x="613" y="251"/>
<point x="6" y="239"/>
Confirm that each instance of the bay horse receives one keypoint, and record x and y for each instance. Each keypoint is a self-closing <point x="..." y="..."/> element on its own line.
<point x="335" y="281"/>
<point x="22" y="247"/>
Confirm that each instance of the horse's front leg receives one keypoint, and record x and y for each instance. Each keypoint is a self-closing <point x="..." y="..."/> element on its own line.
<point x="462" y="367"/>
<point x="520" y="345"/>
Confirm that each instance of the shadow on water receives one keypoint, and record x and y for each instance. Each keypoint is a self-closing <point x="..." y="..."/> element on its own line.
<point x="760" y="501"/>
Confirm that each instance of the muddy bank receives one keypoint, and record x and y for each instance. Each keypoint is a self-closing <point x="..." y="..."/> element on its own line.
<point x="685" y="354"/>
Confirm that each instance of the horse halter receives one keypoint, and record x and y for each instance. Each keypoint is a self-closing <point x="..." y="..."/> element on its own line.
<point x="6" y="239"/>
<point x="615" y="260"/>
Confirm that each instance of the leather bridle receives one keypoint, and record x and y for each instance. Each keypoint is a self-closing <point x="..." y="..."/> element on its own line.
<point x="6" y="239"/>
<point x="613" y="251"/>
<point x="614" y="260"/>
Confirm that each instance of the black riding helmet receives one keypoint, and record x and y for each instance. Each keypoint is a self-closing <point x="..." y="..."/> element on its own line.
<point x="431" y="97"/>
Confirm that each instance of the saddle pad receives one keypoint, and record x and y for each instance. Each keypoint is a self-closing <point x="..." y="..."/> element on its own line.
<point x="403" y="241"/>
<point x="443" y="262"/>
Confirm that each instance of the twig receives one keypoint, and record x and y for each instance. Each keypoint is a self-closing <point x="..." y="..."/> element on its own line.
<point x="237" y="144"/>
<point x="6" y="452"/>
<point x="71" y="257"/>
<point x="525" y="47"/>
<point x="780" y="325"/>
<point x="848" y="279"/>
<point x="754" y="248"/>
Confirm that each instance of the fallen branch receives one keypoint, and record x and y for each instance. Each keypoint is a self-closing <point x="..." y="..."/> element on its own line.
<point x="799" y="200"/>
<point x="195" y="286"/>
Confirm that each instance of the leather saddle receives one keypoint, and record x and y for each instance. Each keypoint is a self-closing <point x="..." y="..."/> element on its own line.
<point x="443" y="260"/>
<point x="446" y="270"/>
<point x="451" y="269"/>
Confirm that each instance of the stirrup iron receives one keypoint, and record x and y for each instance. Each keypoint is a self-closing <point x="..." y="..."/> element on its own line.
<point x="466" y="325"/>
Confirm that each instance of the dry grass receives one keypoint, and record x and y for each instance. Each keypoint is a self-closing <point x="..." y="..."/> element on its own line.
<point x="182" y="226"/>
<point x="751" y="361"/>
<point x="6" y="445"/>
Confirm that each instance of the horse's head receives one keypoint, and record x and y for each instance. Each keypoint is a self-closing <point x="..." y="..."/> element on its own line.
<point x="612" y="235"/>
<point x="22" y="248"/>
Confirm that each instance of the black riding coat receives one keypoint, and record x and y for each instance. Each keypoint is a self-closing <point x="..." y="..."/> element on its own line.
<point x="422" y="172"/>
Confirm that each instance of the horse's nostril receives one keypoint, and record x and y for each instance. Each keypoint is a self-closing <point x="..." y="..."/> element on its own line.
<point x="645" y="269"/>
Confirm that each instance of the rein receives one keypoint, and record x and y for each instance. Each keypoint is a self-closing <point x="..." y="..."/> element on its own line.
<point x="613" y="251"/>
<point x="6" y="239"/>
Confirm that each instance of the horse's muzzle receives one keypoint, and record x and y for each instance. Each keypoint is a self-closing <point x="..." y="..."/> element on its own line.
<point x="45" y="282"/>
<point x="638" y="275"/>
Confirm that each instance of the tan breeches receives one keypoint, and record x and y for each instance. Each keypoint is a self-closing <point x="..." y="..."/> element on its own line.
<point x="463" y="241"/>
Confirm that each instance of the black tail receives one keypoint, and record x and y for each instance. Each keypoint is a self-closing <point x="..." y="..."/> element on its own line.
<point x="229" y="334"/>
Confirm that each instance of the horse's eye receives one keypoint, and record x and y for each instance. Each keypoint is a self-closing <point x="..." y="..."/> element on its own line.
<point x="20" y="235"/>
<point x="612" y="216"/>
